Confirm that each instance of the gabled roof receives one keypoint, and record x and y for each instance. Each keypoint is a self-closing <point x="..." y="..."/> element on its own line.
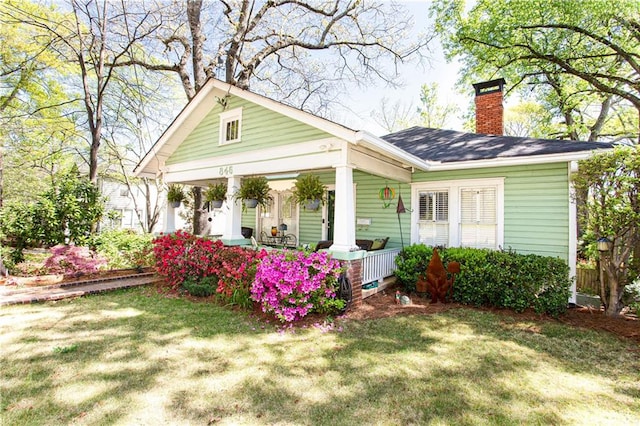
<point x="196" y="110"/>
<point x="449" y="146"/>
<point x="417" y="147"/>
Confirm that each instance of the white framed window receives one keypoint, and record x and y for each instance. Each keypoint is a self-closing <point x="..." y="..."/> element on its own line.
<point x="127" y="218"/>
<point x="433" y="217"/>
<point x="478" y="217"/>
<point x="460" y="213"/>
<point x="230" y="126"/>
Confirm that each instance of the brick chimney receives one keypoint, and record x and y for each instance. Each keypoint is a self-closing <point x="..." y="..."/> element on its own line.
<point x="489" y="109"/>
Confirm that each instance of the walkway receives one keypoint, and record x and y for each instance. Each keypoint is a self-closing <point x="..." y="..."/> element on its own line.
<point x="18" y="295"/>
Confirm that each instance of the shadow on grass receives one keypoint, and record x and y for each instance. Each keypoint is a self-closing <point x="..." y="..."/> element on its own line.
<point x="394" y="372"/>
<point x="135" y="358"/>
<point x="65" y="360"/>
<point x="447" y="368"/>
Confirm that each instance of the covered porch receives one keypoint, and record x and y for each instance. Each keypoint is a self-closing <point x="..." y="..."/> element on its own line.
<point x="226" y="134"/>
<point x="354" y="212"/>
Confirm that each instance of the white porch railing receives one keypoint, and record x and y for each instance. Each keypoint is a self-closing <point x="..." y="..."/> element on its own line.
<point x="379" y="264"/>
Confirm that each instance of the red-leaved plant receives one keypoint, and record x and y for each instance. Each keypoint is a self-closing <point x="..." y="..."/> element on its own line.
<point x="74" y="260"/>
<point x="183" y="256"/>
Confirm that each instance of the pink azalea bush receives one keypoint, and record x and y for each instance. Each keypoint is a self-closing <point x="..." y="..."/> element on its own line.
<point x="291" y="284"/>
<point x="74" y="260"/>
<point x="288" y="284"/>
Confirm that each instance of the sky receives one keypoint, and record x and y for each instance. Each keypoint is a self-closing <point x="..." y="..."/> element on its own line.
<point x="361" y="103"/>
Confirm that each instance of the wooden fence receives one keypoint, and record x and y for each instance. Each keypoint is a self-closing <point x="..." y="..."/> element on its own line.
<point x="588" y="281"/>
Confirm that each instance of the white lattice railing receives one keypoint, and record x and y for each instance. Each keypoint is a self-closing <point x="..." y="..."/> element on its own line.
<point x="379" y="264"/>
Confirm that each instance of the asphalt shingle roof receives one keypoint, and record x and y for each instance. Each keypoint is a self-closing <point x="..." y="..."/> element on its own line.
<point x="449" y="145"/>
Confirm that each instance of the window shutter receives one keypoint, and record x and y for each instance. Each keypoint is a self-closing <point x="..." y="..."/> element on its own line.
<point x="433" y="218"/>
<point x="478" y="217"/>
<point x="424" y="202"/>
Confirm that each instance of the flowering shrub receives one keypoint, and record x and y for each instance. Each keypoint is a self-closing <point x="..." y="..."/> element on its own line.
<point x="73" y="260"/>
<point x="28" y="269"/>
<point x="182" y="256"/>
<point x="236" y="269"/>
<point x="291" y="284"/>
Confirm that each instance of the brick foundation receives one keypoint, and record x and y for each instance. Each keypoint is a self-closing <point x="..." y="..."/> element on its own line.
<point x="354" y="273"/>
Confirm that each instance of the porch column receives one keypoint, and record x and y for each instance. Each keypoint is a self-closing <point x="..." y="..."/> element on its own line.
<point x="344" y="227"/>
<point x="232" y="235"/>
<point x="169" y="219"/>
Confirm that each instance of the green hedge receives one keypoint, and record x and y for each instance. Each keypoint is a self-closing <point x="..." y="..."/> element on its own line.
<point x="502" y="279"/>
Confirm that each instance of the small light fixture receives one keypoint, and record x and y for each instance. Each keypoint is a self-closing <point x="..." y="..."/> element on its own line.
<point x="604" y="244"/>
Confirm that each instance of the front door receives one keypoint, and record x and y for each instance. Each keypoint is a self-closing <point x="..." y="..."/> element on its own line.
<point x="331" y="213"/>
<point x="281" y="211"/>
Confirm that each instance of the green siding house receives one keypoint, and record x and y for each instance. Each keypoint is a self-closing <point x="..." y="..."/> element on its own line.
<point x="458" y="189"/>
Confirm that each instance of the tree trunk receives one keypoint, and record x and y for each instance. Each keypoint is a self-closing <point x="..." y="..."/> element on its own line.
<point x="3" y="270"/>
<point x="199" y="77"/>
<point x="152" y="216"/>
<point x="197" y="210"/>
<point x="193" y="15"/>
<point x="582" y="213"/>
<point x="614" y="305"/>
<point x="93" y="155"/>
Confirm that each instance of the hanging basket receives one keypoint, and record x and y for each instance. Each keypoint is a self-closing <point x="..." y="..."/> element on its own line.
<point x="312" y="204"/>
<point x="251" y="203"/>
<point x="216" y="204"/>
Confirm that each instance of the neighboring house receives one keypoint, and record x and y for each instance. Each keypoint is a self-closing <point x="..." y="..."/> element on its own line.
<point x="459" y="189"/>
<point x="121" y="206"/>
<point x="126" y="209"/>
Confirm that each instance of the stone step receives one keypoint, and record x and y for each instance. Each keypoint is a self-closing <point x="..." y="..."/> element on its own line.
<point x="13" y="295"/>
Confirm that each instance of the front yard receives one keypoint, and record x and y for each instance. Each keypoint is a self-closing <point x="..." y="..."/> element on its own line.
<point x="134" y="357"/>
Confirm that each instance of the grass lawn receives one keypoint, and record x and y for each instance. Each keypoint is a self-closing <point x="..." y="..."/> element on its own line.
<point x="133" y="357"/>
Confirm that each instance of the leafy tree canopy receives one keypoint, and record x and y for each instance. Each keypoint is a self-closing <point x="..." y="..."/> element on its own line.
<point x="66" y="213"/>
<point x="612" y="180"/>
<point x="37" y="135"/>
<point x="568" y="52"/>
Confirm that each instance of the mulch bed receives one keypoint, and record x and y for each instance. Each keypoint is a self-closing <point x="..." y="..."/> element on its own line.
<point x="382" y="305"/>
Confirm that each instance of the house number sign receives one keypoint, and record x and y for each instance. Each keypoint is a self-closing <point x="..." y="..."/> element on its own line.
<point x="226" y="171"/>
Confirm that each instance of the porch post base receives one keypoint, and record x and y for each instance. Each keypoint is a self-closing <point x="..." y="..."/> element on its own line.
<point x="339" y="248"/>
<point x="169" y="219"/>
<point x="353" y="264"/>
<point x="235" y="241"/>
<point x="354" y="273"/>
